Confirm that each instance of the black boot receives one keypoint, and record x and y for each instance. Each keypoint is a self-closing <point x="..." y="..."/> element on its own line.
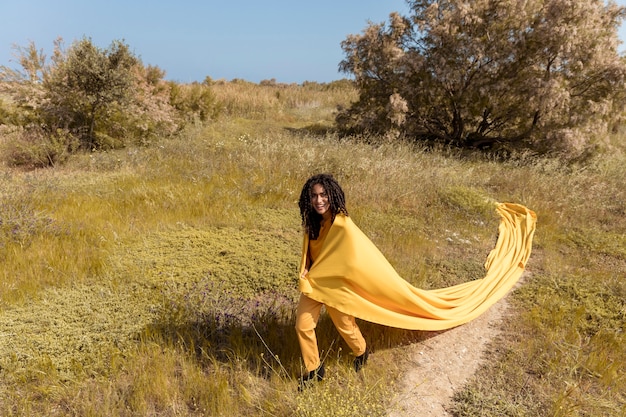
<point x="361" y="360"/>
<point x="311" y="377"/>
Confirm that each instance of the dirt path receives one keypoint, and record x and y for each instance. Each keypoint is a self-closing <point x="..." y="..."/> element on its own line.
<point x="440" y="365"/>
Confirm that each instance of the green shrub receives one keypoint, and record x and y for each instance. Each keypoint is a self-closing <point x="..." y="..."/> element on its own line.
<point x="33" y="148"/>
<point x="194" y="101"/>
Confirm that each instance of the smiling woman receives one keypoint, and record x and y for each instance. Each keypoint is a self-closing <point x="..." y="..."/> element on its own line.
<point x="321" y="200"/>
<point x="342" y="270"/>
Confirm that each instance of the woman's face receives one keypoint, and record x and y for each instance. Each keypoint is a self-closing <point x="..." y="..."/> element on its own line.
<point x="319" y="200"/>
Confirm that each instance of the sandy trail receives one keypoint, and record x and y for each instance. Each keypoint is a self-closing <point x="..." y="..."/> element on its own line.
<point x="440" y="365"/>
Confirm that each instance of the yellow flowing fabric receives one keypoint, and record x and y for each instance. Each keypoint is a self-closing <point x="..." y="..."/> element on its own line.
<point x="352" y="275"/>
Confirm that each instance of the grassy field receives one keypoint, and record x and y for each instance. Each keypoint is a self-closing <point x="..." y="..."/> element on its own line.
<point x="162" y="280"/>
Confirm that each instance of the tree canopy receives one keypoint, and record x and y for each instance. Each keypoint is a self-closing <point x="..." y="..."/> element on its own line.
<point x="87" y="80"/>
<point x="541" y="74"/>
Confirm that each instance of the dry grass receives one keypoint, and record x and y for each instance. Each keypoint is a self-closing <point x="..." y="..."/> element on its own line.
<point x="312" y="104"/>
<point x="161" y="281"/>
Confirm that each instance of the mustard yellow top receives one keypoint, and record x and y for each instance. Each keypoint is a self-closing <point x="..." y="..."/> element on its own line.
<point x="351" y="275"/>
<point x="315" y="245"/>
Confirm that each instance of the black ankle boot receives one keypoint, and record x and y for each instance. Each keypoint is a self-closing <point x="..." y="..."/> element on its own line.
<point x="311" y="377"/>
<point x="361" y="360"/>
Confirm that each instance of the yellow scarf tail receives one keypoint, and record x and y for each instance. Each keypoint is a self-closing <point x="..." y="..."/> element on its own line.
<point x="351" y="275"/>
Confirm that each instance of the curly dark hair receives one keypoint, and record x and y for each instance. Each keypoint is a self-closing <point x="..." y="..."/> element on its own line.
<point x="311" y="220"/>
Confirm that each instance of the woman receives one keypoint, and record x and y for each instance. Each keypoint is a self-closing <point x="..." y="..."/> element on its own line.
<point x="344" y="271"/>
<point x="321" y="200"/>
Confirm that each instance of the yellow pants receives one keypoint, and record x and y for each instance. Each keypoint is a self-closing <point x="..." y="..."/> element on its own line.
<point x="307" y="316"/>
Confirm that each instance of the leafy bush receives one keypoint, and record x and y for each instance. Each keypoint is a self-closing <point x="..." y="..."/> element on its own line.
<point x="85" y="82"/>
<point x="194" y="101"/>
<point x="103" y="97"/>
<point x="147" y="115"/>
<point x="543" y="75"/>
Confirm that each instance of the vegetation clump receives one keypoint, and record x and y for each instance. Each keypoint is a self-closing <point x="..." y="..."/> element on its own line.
<point x="91" y="98"/>
<point x="539" y="75"/>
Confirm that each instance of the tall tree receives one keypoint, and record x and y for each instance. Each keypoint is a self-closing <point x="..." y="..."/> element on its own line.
<point x="543" y="74"/>
<point x="86" y="81"/>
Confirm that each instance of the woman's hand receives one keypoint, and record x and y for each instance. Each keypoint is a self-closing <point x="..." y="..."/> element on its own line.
<point x="303" y="283"/>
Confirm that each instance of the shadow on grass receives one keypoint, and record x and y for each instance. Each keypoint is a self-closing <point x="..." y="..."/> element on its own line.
<point x="314" y="129"/>
<point x="259" y="332"/>
<point x="227" y="329"/>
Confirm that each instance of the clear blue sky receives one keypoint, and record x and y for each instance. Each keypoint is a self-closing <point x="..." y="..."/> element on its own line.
<point x="289" y="40"/>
